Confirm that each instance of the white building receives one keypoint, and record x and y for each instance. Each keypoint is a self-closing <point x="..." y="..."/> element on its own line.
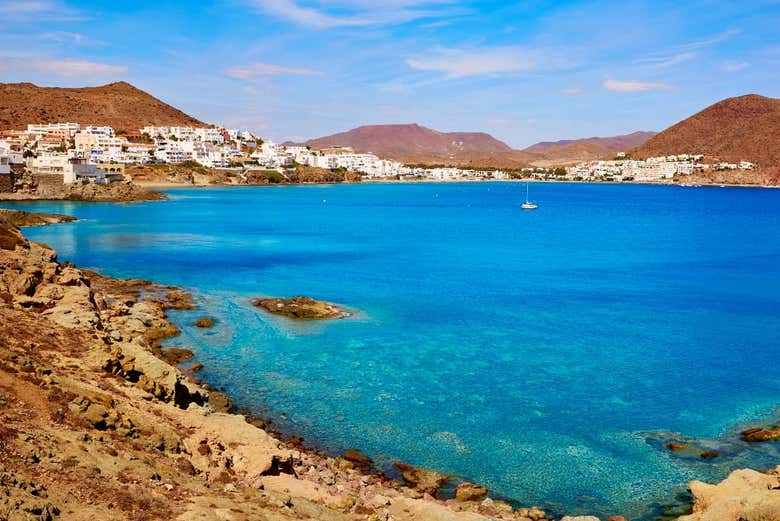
<point x="64" y="130"/>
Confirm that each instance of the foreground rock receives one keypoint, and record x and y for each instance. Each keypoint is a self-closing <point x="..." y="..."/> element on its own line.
<point x="96" y="426"/>
<point x="746" y="495"/>
<point x="300" y="307"/>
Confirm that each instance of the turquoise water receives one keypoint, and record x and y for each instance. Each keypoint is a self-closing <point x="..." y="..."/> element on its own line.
<point x="538" y="353"/>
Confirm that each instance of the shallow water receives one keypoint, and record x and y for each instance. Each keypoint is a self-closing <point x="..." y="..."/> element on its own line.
<point x="532" y="352"/>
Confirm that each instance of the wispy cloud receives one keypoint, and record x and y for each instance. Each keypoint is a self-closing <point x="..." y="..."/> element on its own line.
<point x="65" y="37"/>
<point x="460" y="63"/>
<point x="255" y="71"/>
<point x="326" y="14"/>
<point x="706" y="42"/>
<point x="733" y="66"/>
<point x="634" y="86"/>
<point x="664" y="62"/>
<point x="36" y="9"/>
<point x="67" y="68"/>
<point x="572" y="91"/>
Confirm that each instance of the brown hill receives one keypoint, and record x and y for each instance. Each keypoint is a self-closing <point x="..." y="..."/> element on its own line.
<point x="410" y="141"/>
<point x="741" y="128"/>
<point x="119" y="105"/>
<point x="415" y="144"/>
<point x="592" y="144"/>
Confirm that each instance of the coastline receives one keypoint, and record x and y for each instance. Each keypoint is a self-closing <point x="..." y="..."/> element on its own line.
<point x="156" y="328"/>
<point x="133" y="404"/>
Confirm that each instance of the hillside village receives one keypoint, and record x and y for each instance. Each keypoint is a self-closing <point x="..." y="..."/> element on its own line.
<point x="71" y="153"/>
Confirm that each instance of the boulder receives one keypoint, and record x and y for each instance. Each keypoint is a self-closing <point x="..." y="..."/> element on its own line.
<point x="204" y="322"/>
<point x="744" y="494"/>
<point x="467" y="492"/>
<point x="761" y="434"/>
<point x="357" y="458"/>
<point x="424" y="480"/>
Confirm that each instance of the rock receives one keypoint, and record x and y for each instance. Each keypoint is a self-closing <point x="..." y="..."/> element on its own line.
<point x="709" y="454"/>
<point x="616" y="518"/>
<point x="580" y="518"/>
<point x="466" y="492"/>
<point x="220" y="402"/>
<point x="175" y="355"/>
<point x="424" y="480"/>
<point x="179" y="300"/>
<point x="357" y="458"/>
<point x="676" y="446"/>
<point x="26" y="283"/>
<point x="300" y="307"/>
<point x="204" y="322"/>
<point x="230" y="488"/>
<point x="744" y="495"/>
<point x="761" y="434"/>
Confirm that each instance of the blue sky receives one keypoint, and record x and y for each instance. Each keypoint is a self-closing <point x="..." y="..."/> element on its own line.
<point x="523" y="71"/>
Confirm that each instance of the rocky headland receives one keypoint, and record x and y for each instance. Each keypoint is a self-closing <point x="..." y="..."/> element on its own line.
<point x="300" y="307"/>
<point x="32" y="190"/>
<point x="21" y="218"/>
<point x="97" y="423"/>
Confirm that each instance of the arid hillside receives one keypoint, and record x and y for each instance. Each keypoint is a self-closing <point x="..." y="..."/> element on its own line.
<point x="735" y="129"/>
<point x="119" y="105"/>
<point x="415" y="144"/>
<point x="609" y="144"/>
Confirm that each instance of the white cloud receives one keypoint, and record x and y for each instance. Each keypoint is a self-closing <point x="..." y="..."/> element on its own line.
<point x="326" y="14"/>
<point x="572" y="91"/>
<point x="68" y="68"/>
<point x="663" y="62"/>
<point x="255" y="71"/>
<point x="634" y="86"/>
<point x="733" y="66"/>
<point x="460" y="63"/>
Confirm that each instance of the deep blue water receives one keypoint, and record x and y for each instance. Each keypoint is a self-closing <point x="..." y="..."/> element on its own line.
<point x="533" y="352"/>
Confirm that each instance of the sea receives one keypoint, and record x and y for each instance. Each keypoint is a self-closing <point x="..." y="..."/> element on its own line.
<point x="548" y="355"/>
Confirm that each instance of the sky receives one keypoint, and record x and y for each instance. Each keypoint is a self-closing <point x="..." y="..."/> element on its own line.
<point x="523" y="71"/>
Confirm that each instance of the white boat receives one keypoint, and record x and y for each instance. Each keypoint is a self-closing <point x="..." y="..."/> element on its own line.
<point x="528" y="205"/>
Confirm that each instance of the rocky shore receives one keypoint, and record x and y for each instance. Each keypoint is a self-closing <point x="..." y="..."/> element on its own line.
<point x="31" y="190"/>
<point x="97" y="424"/>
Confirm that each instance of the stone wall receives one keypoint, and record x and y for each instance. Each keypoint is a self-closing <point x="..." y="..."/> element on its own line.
<point x="49" y="180"/>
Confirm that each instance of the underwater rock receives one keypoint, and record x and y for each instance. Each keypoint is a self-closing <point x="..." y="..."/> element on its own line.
<point x="300" y="307"/>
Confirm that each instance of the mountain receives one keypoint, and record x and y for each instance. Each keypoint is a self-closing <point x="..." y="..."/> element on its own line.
<point x="416" y="144"/>
<point x="410" y="142"/>
<point x="614" y="143"/>
<point x="740" y="128"/>
<point x="119" y="105"/>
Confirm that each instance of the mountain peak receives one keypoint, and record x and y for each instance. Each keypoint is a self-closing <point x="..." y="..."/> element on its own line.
<point x="740" y="128"/>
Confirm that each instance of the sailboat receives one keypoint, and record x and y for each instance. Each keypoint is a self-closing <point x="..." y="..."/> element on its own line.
<point x="528" y="205"/>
